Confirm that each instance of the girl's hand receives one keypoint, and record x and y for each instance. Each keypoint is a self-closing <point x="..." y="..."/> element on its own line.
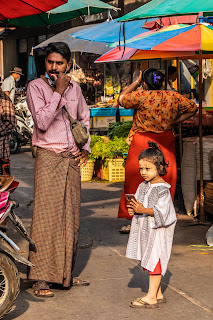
<point x="136" y="206"/>
<point x="130" y="210"/>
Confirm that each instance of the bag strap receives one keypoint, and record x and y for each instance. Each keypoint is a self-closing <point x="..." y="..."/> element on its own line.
<point x="72" y="121"/>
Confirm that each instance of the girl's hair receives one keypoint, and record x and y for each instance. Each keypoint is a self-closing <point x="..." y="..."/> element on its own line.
<point x="153" y="78"/>
<point x="156" y="156"/>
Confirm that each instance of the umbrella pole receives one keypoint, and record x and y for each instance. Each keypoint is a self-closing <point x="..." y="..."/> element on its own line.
<point x="180" y="125"/>
<point x="202" y="213"/>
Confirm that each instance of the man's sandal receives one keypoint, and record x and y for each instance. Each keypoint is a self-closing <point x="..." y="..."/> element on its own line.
<point x="79" y="282"/>
<point x="40" y="286"/>
<point x="143" y="304"/>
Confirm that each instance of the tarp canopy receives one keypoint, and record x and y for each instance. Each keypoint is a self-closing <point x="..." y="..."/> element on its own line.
<point x="163" y="8"/>
<point x="108" y="32"/>
<point x="76" y="45"/>
<point x="70" y="10"/>
<point x="19" y="8"/>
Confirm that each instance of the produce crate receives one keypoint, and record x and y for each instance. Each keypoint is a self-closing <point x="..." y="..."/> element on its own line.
<point x="114" y="172"/>
<point x="102" y="117"/>
<point x="126" y="114"/>
<point x="87" y="171"/>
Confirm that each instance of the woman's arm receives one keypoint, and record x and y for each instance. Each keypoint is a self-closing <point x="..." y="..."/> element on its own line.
<point x="184" y="116"/>
<point x="130" y="88"/>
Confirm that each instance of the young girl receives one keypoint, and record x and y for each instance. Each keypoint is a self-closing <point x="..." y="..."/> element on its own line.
<point x="153" y="224"/>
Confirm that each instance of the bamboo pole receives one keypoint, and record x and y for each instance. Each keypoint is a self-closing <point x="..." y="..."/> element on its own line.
<point x="180" y="125"/>
<point x="202" y="213"/>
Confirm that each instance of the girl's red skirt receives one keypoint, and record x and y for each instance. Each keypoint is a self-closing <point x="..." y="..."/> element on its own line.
<point x="166" y="143"/>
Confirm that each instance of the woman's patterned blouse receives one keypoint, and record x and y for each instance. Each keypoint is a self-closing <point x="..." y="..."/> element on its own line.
<point x="156" y="110"/>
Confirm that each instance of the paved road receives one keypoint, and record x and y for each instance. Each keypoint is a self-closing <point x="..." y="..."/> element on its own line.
<point x="115" y="280"/>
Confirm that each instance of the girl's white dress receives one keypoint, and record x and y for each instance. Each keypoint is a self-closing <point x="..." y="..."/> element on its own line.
<point x="151" y="238"/>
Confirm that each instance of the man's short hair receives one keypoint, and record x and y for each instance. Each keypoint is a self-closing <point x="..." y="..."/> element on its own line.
<point x="59" y="47"/>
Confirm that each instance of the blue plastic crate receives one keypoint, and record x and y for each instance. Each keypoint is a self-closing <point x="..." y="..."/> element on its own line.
<point x="103" y="112"/>
<point x="126" y="112"/>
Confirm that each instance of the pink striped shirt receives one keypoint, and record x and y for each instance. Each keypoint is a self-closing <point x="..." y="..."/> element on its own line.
<point x="51" y="125"/>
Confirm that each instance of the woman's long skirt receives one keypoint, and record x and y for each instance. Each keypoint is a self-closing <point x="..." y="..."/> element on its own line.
<point x="166" y="142"/>
<point x="55" y="223"/>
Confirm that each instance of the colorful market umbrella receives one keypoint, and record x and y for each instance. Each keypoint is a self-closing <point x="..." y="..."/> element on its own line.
<point x="19" y="8"/>
<point x="175" y="38"/>
<point x="165" y="8"/>
<point x="70" y="10"/>
<point x="117" y="55"/>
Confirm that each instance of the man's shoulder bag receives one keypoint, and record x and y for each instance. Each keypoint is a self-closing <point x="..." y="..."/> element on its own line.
<point x="79" y="130"/>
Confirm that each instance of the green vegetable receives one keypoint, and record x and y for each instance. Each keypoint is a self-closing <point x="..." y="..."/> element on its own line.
<point x="119" y="129"/>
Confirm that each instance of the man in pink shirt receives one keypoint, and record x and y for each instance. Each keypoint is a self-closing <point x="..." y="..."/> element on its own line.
<point x="55" y="222"/>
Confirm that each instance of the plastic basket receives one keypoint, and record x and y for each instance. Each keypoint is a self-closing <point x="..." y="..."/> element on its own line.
<point x="126" y="112"/>
<point x="103" y="112"/>
<point x="87" y="171"/>
<point x="115" y="171"/>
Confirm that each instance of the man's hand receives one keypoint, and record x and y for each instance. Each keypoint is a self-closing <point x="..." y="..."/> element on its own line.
<point x="83" y="156"/>
<point x="62" y="82"/>
<point x="136" y="206"/>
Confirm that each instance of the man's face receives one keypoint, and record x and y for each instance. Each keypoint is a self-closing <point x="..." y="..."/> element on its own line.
<point x="55" y="63"/>
<point x="173" y="77"/>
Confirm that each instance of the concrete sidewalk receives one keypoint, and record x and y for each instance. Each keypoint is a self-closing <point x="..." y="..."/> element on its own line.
<point x="115" y="280"/>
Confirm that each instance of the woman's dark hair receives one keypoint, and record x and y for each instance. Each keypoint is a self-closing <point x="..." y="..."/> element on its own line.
<point x="153" y="78"/>
<point x="156" y="156"/>
<point x="59" y="47"/>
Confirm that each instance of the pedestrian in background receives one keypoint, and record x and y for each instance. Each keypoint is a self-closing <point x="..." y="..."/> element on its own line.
<point x="153" y="224"/>
<point x="156" y="111"/>
<point x="57" y="188"/>
<point x="9" y="84"/>
<point x="7" y="124"/>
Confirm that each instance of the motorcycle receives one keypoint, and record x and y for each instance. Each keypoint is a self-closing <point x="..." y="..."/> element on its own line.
<point x="22" y="135"/>
<point x="9" y="275"/>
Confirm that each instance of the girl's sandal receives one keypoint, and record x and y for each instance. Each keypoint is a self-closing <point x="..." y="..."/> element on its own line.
<point x="143" y="304"/>
<point x="76" y="282"/>
<point x="160" y="301"/>
<point x="40" y="286"/>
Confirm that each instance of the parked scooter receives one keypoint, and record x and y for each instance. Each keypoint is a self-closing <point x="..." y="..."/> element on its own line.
<point x="22" y="135"/>
<point x="9" y="276"/>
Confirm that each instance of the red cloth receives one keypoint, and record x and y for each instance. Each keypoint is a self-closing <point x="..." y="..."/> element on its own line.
<point x="157" y="269"/>
<point x="166" y="142"/>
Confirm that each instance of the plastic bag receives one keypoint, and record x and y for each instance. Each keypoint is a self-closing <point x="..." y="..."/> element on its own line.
<point x="209" y="236"/>
<point x="77" y="74"/>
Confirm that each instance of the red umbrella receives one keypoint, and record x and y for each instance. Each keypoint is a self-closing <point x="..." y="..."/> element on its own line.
<point x="21" y="8"/>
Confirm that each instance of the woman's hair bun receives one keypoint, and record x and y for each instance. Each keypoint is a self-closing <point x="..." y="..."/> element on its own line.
<point x="153" y="145"/>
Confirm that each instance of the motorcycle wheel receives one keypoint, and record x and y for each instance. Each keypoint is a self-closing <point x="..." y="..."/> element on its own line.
<point x="9" y="284"/>
<point x="14" y="144"/>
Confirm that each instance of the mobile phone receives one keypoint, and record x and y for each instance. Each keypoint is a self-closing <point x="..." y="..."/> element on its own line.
<point x="129" y="197"/>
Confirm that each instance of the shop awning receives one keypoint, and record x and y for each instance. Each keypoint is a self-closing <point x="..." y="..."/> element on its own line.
<point x="165" y="8"/>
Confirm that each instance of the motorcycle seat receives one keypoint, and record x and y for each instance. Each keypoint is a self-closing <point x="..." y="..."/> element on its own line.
<point x="5" y="182"/>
